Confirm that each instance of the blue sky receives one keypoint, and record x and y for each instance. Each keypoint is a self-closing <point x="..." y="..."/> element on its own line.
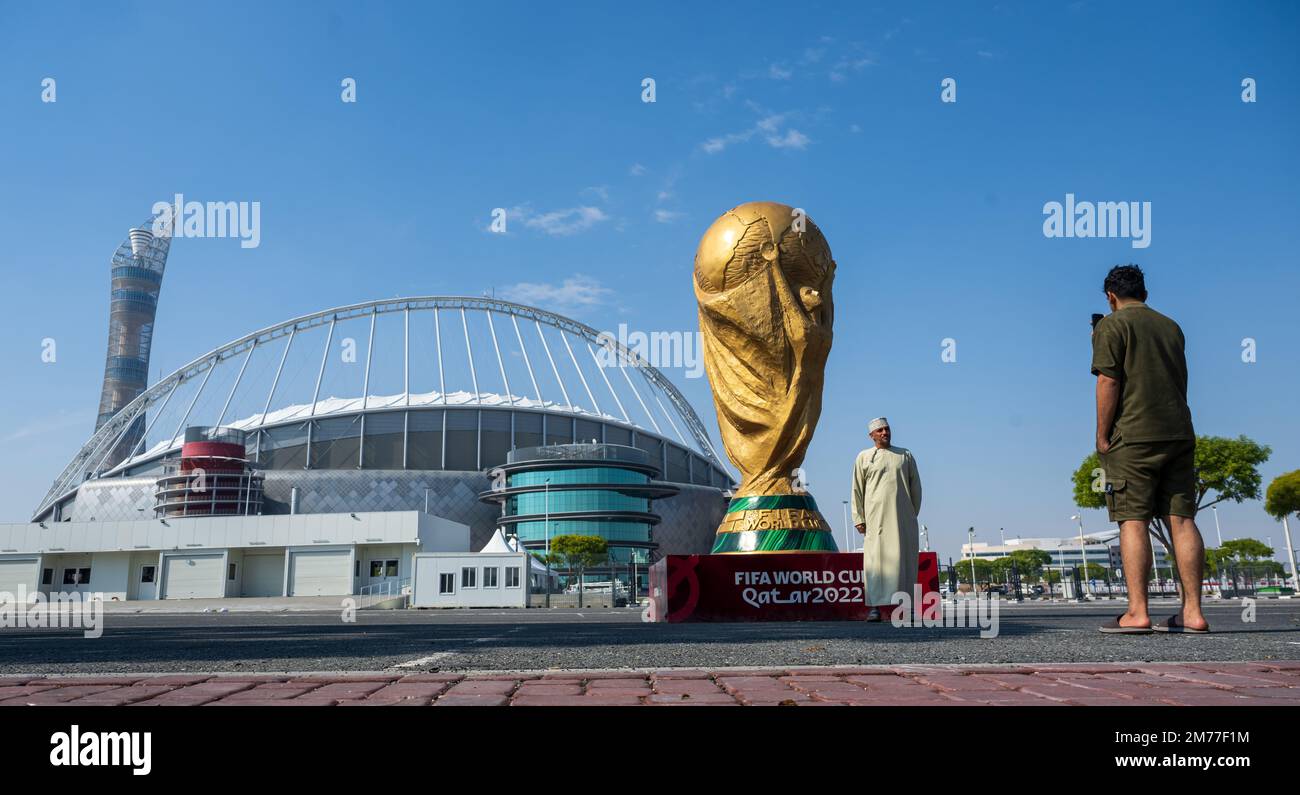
<point x="933" y="210"/>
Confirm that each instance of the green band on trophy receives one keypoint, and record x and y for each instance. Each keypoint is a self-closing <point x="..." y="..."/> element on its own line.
<point x="772" y="502"/>
<point x="774" y="541"/>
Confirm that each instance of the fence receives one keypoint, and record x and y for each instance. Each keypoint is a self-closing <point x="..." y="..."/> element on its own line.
<point x="1054" y="582"/>
<point x="377" y="593"/>
<point x="597" y="590"/>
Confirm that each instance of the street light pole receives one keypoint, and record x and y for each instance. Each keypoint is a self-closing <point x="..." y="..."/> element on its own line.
<point x="1290" y="552"/>
<point x="546" y="527"/>
<point x="546" y="520"/>
<point x="1083" y="551"/>
<point x="848" y="546"/>
<point x="1218" y="530"/>
<point x="970" y="545"/>
<point x="925" y="531"/>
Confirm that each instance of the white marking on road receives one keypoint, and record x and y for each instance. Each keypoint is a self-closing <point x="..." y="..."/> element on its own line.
<point x="424" y="660"/>
<point x="442" y="655"/>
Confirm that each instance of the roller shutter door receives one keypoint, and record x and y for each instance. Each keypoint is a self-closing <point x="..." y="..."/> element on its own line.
<point x="323" y="572"/>
<point x="263" y="575"/>
<point x="194" y="576"/>
<point x="15" y="574"/>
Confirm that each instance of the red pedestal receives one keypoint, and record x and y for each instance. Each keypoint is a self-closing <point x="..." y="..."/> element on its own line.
<point x="788" y="586"/>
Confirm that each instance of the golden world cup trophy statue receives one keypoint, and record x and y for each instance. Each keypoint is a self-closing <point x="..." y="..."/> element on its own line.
<point x="763" y="274"/>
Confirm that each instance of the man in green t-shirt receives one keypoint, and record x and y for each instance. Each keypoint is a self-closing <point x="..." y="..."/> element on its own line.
<point x="1147" y="447"/>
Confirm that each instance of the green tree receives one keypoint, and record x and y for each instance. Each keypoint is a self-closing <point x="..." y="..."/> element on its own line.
<point x="1246" y="550"/>
<point x="1030" y="562"/>
<point x="579" y="552"/>
<point x="1243" y="558"/>
<point x="983" y="569"/>
<point x="1094" y="571"/>
<point x="1089" y="488"/>
<point x="999" y="569"/>
<point x="1283" y="499"/>
<point x="1215" y="559"/>
<point x="1283" y="496"/>
<point x="1226" y="470"/>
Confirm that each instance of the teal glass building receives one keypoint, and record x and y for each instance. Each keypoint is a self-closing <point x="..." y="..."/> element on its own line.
<point x="604" y="490"/>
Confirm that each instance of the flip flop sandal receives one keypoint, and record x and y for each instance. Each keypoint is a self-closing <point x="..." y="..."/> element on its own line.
<point x="1113" y="627"/>
<point x="1174" y="625"/>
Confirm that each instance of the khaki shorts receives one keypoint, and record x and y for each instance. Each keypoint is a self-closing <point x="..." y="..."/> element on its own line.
<point x="1149" y="479"/>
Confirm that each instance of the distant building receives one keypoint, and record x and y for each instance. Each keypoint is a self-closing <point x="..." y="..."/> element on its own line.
<point x="1065" y="551"/>
<point x="136" y="273"/>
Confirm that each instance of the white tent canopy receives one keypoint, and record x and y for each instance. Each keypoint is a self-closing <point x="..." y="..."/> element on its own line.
<point x="501" y="543"/>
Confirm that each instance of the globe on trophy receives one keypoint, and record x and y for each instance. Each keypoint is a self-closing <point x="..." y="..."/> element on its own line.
<point x="763" y="274"/>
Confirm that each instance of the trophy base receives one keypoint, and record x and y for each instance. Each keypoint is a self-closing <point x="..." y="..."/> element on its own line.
<point x="773" y="523"/>
<point x="796" y="586"/>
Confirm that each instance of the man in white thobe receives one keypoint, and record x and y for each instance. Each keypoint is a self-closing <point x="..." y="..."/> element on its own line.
<point x="886" y="501"/>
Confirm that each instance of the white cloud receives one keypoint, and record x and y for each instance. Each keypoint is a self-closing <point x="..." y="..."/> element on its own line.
<point x="46" y="425"/>
<point x="575" y="292"/>
<point x="597" y="190"/>
<point x="778" y="72"/>
<point x="769" y="127"/>
<point x="568" y="221"/>
<point x="667" y="216"/>
<point x="636" y="170"/>
<point x="717" y="144"/>
<point x="793" y="139"/>
<point x="854" y="128"/>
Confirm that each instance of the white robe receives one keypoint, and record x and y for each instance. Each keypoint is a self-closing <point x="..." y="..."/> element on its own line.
<point x="887" y="499"/>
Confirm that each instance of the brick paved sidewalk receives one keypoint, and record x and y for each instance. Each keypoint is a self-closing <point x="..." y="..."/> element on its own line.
<point x="1237" y="684"/>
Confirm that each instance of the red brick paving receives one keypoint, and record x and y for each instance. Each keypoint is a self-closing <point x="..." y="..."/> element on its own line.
<point x="1156" y="684"/>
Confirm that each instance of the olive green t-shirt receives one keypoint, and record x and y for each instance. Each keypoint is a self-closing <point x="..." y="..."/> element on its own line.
<point x="1144" y="351"/>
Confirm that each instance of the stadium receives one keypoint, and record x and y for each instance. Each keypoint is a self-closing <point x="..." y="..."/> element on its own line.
<point x="403" y="406"/>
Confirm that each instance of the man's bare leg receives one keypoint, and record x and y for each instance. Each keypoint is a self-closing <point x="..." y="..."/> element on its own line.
<point x="1136" y="551"/>
<point x="1189" y="550"/>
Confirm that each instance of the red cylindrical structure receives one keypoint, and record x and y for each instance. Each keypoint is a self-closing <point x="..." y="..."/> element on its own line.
<point x="213" y="477"/>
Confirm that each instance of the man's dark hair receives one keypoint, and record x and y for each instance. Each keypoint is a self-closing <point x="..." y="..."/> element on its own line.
<point x="1126" y="281"/>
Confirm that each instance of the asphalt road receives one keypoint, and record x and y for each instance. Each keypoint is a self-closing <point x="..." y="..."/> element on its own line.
<point x="473" y="640"/>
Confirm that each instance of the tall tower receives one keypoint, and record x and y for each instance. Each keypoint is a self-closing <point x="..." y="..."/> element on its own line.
<point x="137" y="271"/>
